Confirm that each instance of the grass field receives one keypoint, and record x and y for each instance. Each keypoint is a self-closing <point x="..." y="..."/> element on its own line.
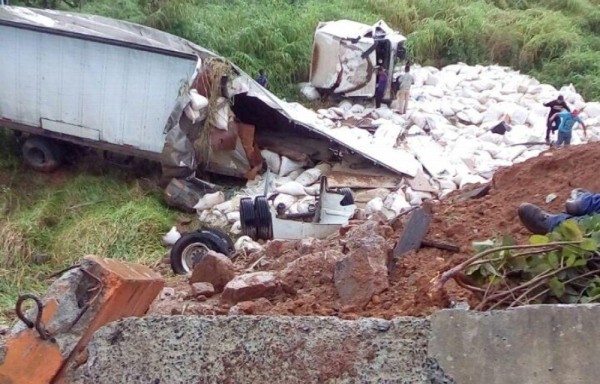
<point x="47" y="222"/>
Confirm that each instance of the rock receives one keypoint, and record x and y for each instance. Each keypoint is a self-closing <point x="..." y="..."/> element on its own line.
<point x="275" y="248"/>
<point x="213" y="268"/>
<point x="310" y="270"/>
<point x="310" y="245"/>
<point x="363" y="272"/>
<point x="167" y="293"/>
<point x="250" y="286"/>
<point x="203" y="289"/>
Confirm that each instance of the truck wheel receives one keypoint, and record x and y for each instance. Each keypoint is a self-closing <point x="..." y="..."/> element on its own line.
<point x="42" y="154"/>
<point x="348" y="197"/>
<point x="248" y="218"/>
<point x="192" y="246"/>
<point x="264" y="223"/>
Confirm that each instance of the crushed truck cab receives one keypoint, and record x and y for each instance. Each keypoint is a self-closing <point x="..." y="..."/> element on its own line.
<point x="346" y="54"/>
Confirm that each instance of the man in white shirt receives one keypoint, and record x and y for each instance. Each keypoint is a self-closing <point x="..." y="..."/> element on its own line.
<point x="405" y="81"/>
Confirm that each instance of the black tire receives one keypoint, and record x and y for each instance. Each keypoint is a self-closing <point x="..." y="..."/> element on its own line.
<point x="226" y="238"/>
<point x="42" y="154"/>
<point x="248" y="218"/>
<point x="348" y="196"/>
<point x="262" y="213"/>
<point x="192" y="246"/>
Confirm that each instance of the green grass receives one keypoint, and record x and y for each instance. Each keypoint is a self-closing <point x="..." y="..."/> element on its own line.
<point x="548" y="38"/>
<point x="69" y="214"/>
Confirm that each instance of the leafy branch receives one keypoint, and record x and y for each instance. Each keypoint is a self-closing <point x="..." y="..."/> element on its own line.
<point x="561" y="267"/>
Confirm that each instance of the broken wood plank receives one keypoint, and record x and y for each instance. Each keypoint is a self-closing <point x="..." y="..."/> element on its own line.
<point x="440" y="245"/>
<point x="414" y="232"/>
<point x="476" y="193"/>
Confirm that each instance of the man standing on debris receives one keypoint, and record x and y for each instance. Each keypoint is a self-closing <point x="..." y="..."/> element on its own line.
<point x="582" y="203"/>
<point x="262" y="79"/>
<point x="556" y="106"/>
<point x="382" y="80"/>
<point x="565" y="128"/>
<point x="406" y="80"/>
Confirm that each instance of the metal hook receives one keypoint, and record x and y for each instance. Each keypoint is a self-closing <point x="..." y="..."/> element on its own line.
<point x="44" y="334"/>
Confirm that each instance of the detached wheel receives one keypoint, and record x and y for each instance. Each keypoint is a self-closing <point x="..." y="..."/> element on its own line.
<point x="42" y="154"/>
<point x="264" y="224"/>
<point x="192" y="246"/>
<point x="225" y="238"/>
<point x="348" y="196"/>
<point x="248" y="218"/>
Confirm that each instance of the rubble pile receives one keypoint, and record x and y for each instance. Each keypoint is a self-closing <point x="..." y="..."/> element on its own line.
<point x="347" y="275"/>
<point x="446" y="141"/>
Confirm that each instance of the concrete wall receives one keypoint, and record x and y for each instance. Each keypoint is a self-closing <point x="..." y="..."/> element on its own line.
<point x="252" y="349"/>
<point x="546" y="344"/>
<point x="538" y="344"/>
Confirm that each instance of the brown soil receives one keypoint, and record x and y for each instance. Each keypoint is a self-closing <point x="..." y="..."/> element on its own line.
<point x="455" y="221"/>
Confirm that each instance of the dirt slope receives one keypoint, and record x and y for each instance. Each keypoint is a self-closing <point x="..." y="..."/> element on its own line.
<point x="455" y="221"/>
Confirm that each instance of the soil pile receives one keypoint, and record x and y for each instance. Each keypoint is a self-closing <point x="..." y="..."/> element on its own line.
<point x="306" y="267"/>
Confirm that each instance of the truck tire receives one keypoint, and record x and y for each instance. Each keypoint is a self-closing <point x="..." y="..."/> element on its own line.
<point x="248" y="218"/>
<point x="264" y="224"/>
<point x="192" y="246"/>
<point x="42" y="154"/>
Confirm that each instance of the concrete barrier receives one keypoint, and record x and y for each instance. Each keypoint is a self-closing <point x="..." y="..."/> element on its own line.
<point x="545" y="344"/>
<point x="532" y="345"/>
<point x="252" y="349"/>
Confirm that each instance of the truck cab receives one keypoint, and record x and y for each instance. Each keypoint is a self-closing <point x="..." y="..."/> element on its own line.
<point x="346" y="55"/>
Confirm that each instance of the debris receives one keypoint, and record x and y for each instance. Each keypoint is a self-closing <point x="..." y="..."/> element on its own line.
<point x="476" y="193"/>
<point x="166" y="293"/>
<point x="415" y="230"/>
<point x="250" y="286"/>
<point x="440" y="245"/>
<point x="213" y="268"/>
<point x="70" y="315"/>
<point x="203" y="289"/>
<point x="184" y="194"/>
<point x="550" y="198"/>
<point x="246" y="244"/>
<point x="210" y="200"/>
<point x="172" y="236"/>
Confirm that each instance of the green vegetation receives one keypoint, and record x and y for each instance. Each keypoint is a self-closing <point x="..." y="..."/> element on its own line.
<point x="560" y="267"/>
<point x="48" y="222"/>
<point x="558" y="41"/>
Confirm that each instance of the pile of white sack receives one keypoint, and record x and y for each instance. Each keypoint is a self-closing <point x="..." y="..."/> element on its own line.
<point x="446" y="132"/>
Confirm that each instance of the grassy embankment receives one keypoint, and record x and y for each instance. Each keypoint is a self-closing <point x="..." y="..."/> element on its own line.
<point x="76" y="212"/>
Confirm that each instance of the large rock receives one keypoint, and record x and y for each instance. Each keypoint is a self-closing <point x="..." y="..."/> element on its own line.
<point x="310" y="270"/>
<point x="250" y="286"/>
<point x="363" y="272"/>
<point x="213" y="268"/>
<point x="257" y="349"/>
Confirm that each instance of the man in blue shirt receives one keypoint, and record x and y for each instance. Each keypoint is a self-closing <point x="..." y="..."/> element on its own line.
<point x="262" y="79"/>
<point x="382" y="80"/>
<point x="565" y="129"/>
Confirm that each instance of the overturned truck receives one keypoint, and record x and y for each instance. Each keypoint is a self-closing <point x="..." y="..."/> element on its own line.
<point x="125" y="88"/>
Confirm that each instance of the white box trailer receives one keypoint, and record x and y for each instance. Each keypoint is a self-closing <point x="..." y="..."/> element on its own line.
<point x="124" y="88"/>
<point x="111" y="89"/>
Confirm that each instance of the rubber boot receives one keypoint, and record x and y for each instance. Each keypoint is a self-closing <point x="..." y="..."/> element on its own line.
<point x="535" y="219"/>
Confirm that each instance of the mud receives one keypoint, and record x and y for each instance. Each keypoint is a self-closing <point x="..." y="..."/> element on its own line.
<point x="455" y="221"/>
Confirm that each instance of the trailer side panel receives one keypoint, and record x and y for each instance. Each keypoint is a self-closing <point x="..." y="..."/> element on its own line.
<point x="87" y="89"/>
